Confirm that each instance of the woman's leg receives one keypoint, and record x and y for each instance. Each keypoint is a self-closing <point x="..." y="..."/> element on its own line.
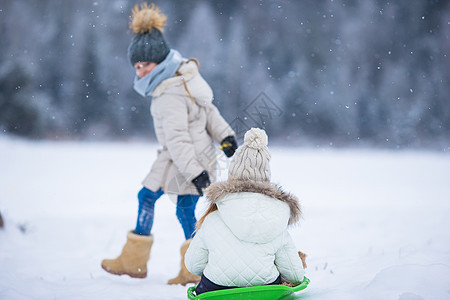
<point x="186" y="213"/>
<point x="146" y="211"/>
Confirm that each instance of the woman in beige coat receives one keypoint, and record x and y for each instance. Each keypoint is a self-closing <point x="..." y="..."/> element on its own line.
<point x="186" y="125"/>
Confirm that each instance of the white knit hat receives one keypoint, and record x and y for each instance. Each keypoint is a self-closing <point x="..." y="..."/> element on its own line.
<point x="251" y="160"/>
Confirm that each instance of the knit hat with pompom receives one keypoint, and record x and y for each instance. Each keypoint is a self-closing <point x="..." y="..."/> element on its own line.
<point x="251" y="160"/>
<point x="148" y="44"/>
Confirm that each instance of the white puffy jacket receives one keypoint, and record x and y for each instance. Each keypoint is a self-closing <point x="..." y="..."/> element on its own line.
<point x="246" y="242"/>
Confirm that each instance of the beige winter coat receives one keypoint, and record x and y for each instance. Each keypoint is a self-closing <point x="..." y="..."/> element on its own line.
<point x="185" y="128"/>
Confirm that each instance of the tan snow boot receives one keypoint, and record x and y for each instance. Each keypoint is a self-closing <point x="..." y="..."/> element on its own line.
<point x="133" y="259"/>
<point x="184" y="276"/>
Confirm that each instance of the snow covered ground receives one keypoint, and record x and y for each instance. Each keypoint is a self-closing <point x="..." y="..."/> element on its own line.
<point x="375" y="225"/>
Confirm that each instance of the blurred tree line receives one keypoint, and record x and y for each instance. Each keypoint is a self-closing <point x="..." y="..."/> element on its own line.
<point x="341" y="72"/>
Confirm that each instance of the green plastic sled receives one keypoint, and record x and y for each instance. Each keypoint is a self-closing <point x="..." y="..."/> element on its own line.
<point x="262" y="292"/>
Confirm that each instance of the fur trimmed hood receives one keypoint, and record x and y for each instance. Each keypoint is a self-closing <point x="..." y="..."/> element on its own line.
<point x="216" y="191"/>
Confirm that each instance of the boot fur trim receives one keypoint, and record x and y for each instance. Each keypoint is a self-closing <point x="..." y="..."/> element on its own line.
<point x="138" y="237"/>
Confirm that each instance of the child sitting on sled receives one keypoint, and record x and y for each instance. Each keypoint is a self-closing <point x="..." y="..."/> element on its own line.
<point x="242" y="240"/>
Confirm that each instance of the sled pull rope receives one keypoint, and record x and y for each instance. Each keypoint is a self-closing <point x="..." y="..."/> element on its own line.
<point x="224" y="145"/>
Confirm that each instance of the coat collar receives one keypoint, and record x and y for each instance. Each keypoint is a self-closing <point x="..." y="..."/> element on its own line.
<point x="218" y="190"/>
<point x="187" y="70"/>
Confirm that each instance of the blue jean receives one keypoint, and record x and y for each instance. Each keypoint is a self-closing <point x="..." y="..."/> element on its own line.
<point x="185" y="212"/>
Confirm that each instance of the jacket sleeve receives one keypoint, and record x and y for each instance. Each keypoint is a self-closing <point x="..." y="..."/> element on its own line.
<point x="288" y="262"/>
<point x="196" y="256"/>
<point x="176" y="132"/>
<point x="216" y="125"/>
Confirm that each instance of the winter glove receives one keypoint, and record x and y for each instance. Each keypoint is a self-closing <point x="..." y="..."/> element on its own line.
<point x="201" y="182"/>
<point x="229" y="145"/>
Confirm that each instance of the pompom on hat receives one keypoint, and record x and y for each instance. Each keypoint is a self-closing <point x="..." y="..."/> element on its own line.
<point x="148" y="44"/>
<point x="252" y="160"/>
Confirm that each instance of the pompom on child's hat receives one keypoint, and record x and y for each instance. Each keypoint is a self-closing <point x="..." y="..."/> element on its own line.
<point x="148" y="44"/>
<point x="252" y="160"/>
